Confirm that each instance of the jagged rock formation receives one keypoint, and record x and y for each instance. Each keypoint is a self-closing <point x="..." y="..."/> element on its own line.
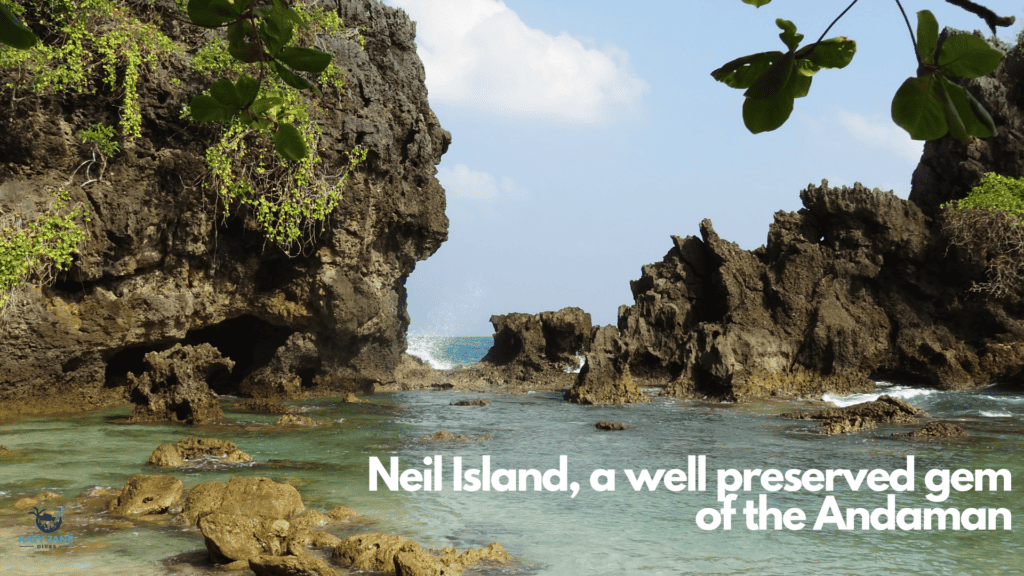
<point x="157" y="269"/>
<point x="948" y="168"/>
<point x="605" y="377"/>
<point x="855" y="285"/>
<point x="530" y="343"/>
<point x="174" y="387"/>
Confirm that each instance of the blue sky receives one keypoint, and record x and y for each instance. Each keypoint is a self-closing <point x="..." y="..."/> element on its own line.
<point x="585" y="133"/>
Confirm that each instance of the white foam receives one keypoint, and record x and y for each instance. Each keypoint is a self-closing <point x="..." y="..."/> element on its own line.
<point x="901" y="392"/>
<point x="995" y="414"/>
<point x="580" y="361"/>
<point x="425" y="348"/>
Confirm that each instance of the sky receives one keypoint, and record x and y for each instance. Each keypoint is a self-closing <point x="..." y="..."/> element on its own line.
<point x="587" y="132"/>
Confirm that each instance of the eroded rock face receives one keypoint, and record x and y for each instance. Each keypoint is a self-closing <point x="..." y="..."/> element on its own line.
<point x="390" y="554"/>
<point x="147" y="494"/>
<point x="605" y="378"/>
<point x="246" y="496"/>
<point x="857" y="284"/>
<point x="175" y="386"/>
<point x="156" y="269"/>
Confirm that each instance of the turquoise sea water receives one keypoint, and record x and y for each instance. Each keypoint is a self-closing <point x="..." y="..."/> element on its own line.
<point x="612" y="532"/>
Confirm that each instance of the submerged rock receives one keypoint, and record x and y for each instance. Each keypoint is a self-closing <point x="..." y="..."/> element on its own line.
<point x="296" y="420"/>
<point x="147" y="494"/>
<point x="478" y="402"/>
<point x="186" y="449"/>
<point x="609" y="426"/>
<point x="389" y="554"/>
<point x="262" y="406"/>
<point x="937" y="430"/>
<point x="446" y="436"/>
<point x="863" y="416"/>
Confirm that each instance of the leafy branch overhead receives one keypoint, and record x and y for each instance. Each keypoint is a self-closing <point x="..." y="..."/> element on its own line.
<point x="928" y="106"/>
<point x="258" y="35"/>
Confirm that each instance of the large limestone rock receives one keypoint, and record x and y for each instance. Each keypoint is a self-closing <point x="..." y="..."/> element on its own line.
<point x="252" y="496"/>
<point x="175" y="386"/>
<point x="159" y="268"/>
<point x="540" y="342"/>
<point x="390" y="554"/>
<point x="856" y="285"/>
<point x="605" y="378"/>
<point x="232" y="537"/>
<point x="147" y="494"/>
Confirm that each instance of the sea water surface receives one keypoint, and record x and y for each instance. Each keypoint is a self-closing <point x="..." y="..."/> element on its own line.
<point x="611" y="532"/>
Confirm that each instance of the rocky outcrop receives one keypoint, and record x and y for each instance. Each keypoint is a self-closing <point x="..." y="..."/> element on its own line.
<point x="160" y="267"/>
<point x="255" y="496"/>
<point x="605" y="377"/>
<point x="949" y="168"/>
<point x="856" y="285"/>
<point x="863" y="416"/>
<point x="175" y="386"/>
<point x="188" y="450"/>
<point x="532" y="343"/>
<point x="145" y="494"/>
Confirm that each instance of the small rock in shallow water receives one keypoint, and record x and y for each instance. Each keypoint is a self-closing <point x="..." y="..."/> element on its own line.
<point x="480" y="402"/>
<point x="610" y="426"/>
<point x="937" y="430"/>
<point x="290" y="566"/>
<point x="446" y="436"/>
<point x="174" y="455"/>
<point x="147" y="494"/>
<point x="293" y="420"/>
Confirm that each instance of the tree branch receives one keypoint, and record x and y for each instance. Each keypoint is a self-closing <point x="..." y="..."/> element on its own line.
<point x="985" y="14"/>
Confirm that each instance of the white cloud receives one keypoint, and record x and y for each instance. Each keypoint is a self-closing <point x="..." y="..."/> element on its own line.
<point x="471" y="193"/>
<point x="478" y="53"/>
<point x="882" y="133"/>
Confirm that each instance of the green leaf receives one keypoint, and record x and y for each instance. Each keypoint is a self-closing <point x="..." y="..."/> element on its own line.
<point x="212" y="13"/>
<point x="289" y="143"/>
<point x="954" y="122"/>
<point x="304" y="59"/>
<point x="967" y="56"/>
<point x="832" y="53"/>
<point x="766" y="114"/>
<point x="276" y="32"/>
<point x="806" y="67"/>
<point x="976" y="120"/>
<point x="917" y="108"/>
<point x="263" y="105"/>
<point x="225" y="93"/>
<point x="241" y="49"/>
<point x="208" y="109"/>
<point x="743" y="72"/>
<point x="756" y="3"/>
<point x="291" y="79"/>
<point x="247" y="88"/>
<point x="13" y="32"/>
<point x="789" y="35"/>
<point x="774" y="80"/>
<point x="927" y="36"/>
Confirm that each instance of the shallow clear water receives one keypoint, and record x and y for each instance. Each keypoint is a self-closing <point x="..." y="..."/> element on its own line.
<point x="596" y="533"/>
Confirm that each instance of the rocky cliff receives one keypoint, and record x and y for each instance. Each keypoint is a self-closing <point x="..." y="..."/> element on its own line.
<point x="858" y="285"/>
<point x="161" y="268"/>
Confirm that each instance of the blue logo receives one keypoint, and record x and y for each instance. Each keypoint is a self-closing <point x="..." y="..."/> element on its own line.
<point x="46" y="520"/>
